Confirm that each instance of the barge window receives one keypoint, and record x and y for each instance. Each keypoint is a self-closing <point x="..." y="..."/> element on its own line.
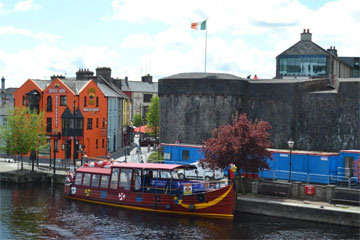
<point x="114" y="178"/>
<point x="125" y="178"/>
<point x="86" y="181"/>
<point x="78" y="178"/>
<point x="185" y="155"/>
<point x="104" y="181"/>
<point x="95" y="180"/>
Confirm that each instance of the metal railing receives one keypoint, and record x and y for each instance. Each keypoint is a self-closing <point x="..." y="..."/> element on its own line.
<point x="351" y="182"/>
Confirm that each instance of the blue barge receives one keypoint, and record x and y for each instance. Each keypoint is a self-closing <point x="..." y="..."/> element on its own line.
<point x="306" y="166"/>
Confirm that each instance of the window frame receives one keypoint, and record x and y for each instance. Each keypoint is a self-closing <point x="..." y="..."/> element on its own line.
<point x="63" y="100"/>
<point x="89" y="123"/>
<point x="49" y="104"/>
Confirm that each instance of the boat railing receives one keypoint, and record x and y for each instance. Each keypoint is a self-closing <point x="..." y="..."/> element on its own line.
<point x="176" y="186"/>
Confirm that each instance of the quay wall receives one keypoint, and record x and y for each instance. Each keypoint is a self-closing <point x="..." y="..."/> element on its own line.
<point x="298" y="212"/>
<point x="28" y="176"/>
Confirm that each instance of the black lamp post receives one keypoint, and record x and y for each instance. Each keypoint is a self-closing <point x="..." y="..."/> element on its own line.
<point x="291" y="145"/>
<point x="74" y="136"/>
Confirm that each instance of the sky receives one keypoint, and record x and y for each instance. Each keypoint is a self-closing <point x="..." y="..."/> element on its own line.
<point x="41" y="38"/>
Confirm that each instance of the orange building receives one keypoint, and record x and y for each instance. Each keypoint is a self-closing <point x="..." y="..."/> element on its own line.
<point x="76" y="113"/>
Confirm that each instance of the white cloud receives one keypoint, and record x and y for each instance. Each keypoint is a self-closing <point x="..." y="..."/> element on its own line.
<point x="244" y="37"/>
<point x="10" y="30"/>
<point x="138" y="41"/>
<point x="46" y="60"/>
<point x="275" y="23"/>
<point x="26" y="5"/>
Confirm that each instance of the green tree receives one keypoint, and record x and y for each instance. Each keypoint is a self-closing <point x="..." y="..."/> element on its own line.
<point x="23" y="133"/>
<point x="153" y="116"/>
<point x="138" y="120"/>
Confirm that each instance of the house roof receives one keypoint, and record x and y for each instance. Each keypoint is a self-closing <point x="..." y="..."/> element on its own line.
<point x="304" y="47"/>
<point x="137" y="86"/>
<point x="42" y="83"/>
<point x="109" y="89"/>
<point x="113" y="87"/>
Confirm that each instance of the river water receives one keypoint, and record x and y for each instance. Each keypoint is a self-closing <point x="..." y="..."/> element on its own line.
<point x="40" y="211"/>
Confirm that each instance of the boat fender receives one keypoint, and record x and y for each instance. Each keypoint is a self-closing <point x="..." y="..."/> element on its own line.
<point x="200" y="198"/>
<point x="168" y="206"/>
<point x="192" y="207"/>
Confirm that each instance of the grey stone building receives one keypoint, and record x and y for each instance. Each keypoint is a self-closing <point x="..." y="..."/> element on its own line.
<point x="306" y="59"/>
<point x="6" y="102"/>
<point x="317" y="117"/>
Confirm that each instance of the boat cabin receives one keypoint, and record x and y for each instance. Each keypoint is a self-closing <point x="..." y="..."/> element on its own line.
<point x="137" y="177"/>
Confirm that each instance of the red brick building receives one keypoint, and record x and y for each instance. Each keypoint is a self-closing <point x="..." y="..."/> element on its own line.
<point x="77" y="109"/>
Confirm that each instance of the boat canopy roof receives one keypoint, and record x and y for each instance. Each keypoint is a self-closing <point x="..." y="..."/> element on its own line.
<point x="148" y="166"/>
<point x="154" y="166"/>
<point x="94" y="170"/>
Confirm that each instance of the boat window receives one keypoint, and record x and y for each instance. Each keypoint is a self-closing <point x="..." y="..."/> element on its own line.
<point x="114" y="178"/>
<point x="95" y="180"/>
<point x="86" y="181"/>
<point x="163" y="174"/>
<point x="104" y="181"/>
<point x="78" y="178"/>
<point x="125" y="178"/>
<point x="137" y="176"/>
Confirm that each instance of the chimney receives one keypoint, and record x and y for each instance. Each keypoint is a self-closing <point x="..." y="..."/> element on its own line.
<point x="147" y="78"/>
<point x="127" y="81"/>
<point x="53" y="77"/>
<point x="306" y="35"/>
<point x="332" y="51"/>
<point x="3" y="84"/>
<point x="105" y="72"/>
<point x="84" y="74"/>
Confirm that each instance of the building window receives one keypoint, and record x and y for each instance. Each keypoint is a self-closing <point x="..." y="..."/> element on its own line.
<point x="103" y="122"/>
<point x="49" y="104"/>
<point x="97" y="122"/>
<point x="48" y="125"/>
<point x="147" y="97"/>
<point x="24" y="101"/>
<point x="97" y="101"/>
<point x="5" y="121"/>
<point x="85" y="99"/>
<point x="63" y="101"/>
<point x="102" y="143"/>
<point x="303" y="65"/>
<point x="185" y="155"/>
<point x="89" y="123"/>
<point x="97" y="143"/>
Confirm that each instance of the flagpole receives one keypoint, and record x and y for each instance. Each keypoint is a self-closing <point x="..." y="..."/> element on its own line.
<point x="205" y="42"/>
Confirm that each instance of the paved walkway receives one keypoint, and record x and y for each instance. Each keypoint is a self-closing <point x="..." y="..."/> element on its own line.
<point x="301" y="203"/>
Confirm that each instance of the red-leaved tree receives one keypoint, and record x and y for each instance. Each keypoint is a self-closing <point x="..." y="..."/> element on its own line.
<point x="243" y="143"/>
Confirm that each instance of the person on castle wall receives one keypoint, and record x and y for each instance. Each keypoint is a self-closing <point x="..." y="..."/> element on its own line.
<point x="256" y="77"/>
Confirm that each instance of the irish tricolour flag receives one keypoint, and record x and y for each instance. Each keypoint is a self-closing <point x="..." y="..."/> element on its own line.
<point x="199" y="25"/>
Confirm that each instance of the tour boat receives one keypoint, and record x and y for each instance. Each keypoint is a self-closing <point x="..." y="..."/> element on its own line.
<point x="150" y="187"/>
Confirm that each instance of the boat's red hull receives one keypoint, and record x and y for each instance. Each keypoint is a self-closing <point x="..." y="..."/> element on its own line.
<point x="217" y="203"/>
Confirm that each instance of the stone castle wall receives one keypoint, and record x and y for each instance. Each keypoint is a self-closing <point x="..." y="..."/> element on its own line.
<point x="316" y="118"/>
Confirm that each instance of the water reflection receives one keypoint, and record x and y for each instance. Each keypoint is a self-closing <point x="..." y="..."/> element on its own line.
<point x="33" y="211"/>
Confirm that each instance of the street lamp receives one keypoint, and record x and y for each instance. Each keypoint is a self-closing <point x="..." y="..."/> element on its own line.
<point x="291" y="145"/>
<point x="74" y="135"/>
